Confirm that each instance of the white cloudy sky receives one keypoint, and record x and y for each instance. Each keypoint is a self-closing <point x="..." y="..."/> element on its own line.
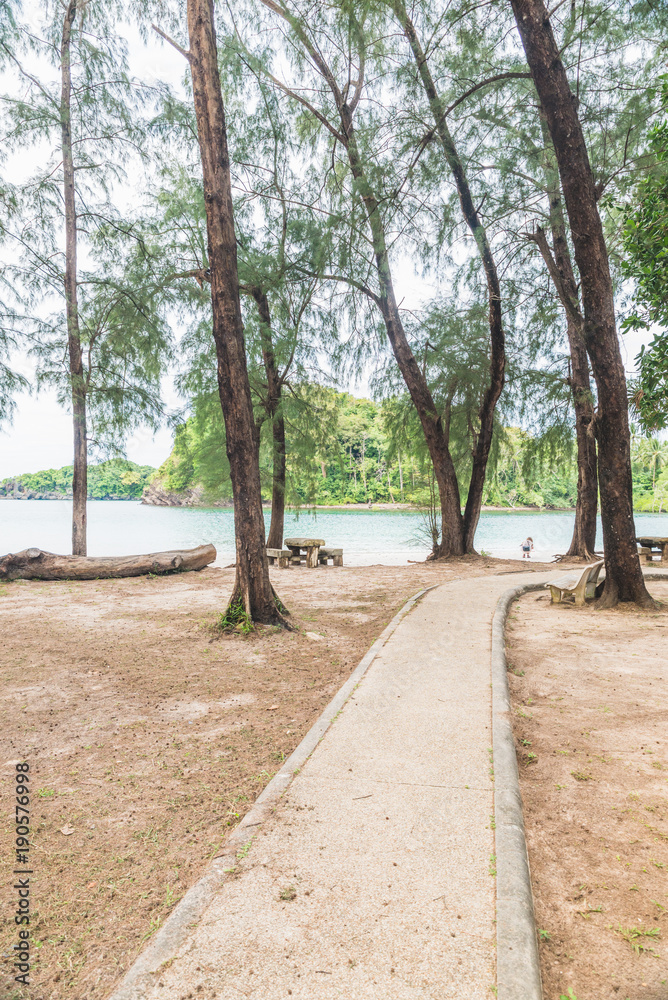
<point x="40" y="434"/>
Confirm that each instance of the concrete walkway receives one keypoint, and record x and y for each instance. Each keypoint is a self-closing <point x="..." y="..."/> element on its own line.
<point x="373" y="879"/>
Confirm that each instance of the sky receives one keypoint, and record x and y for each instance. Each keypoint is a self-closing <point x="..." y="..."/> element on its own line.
<point x="40" y="434"/>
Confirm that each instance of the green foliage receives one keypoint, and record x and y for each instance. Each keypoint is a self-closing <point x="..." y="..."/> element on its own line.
<point x="304" y="241"/>
<point x="125" y="339"/>
<point x="646" y="263"/>
<point x="345" y="450"/>
<point x="198" y="457"/>
<point x="646" y="232"/>
<point x="235" y="619"/>
<point x="116" y="479"/>
<point x="649" y="460"/>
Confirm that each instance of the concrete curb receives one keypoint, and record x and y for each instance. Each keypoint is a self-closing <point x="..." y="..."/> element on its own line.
<point x="517" y="959"/>
<point x="163" y="947"/>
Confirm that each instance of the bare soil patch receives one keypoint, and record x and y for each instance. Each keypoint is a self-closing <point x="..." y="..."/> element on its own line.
<point x="149" y="736"/>
<point x="590" y="707"/>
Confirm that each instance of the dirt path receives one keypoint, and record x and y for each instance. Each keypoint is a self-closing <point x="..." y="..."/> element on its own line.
<point x="590" y="693"/>
<point x="148" y="737"/>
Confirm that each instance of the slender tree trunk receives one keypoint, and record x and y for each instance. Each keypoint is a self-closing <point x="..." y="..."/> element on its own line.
<point x="452" y="542"/>
<point x="452" y="523"/>
<point x="401" y="476"/>
<point x="252" y="587"/>
<point x="275" y="412"/>
<point x="624" y="580"/>
<point x="366" y="492"/>
<point x="497" y="361"/>
<point x="561" y="270"/>
<point x="77" y="381"/>
<point x="583" y="542"/>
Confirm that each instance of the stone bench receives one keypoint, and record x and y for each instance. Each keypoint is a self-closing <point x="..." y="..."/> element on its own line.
<point x="280" y="556"/>
<point x="650" y="546"/>
<point x="336" y="555"/>
<point x="579" y="586"/>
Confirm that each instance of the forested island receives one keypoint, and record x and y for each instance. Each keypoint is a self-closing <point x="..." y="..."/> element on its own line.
<point x="116" y="479"/>
<point x="343" y="450"/>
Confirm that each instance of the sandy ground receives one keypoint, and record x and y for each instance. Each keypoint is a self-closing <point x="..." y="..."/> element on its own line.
<point x="149" y="735"/>
<point x="590" y="692"/>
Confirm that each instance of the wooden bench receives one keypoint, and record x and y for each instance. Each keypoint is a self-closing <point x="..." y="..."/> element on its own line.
<point x="336" y="555"/>
<point x="280" y="556"/>
<point x="579" y="586"/>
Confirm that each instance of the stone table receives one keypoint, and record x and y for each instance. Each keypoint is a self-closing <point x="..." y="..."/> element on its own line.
<point x="310" y="545"/>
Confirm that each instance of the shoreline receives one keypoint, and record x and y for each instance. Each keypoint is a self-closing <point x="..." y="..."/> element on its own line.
<point x="305" y="508"/>
<point x="381" y="506"/>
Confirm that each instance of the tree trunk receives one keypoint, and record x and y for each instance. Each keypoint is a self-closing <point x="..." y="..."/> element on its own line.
<point x="583" y="542"/>
<point x="366" y="492"/>
<point x="346" y="100"/>
<point x="77" y="381"/>
<point x="624" y="580"/>
<point x="452" y="524"/>
<point x="34" y="564"/>
<point x="497" y="365"/>
<point x="252" y="588"/>
<point x="561" y="270"/>
<point x="401" y="476"/>
<point x="275" y="412"/>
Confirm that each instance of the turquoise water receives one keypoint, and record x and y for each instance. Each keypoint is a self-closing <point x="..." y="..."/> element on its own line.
<point x="118" y="527"/>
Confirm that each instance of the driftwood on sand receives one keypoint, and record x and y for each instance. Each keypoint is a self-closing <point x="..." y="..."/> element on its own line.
<point x="34" y="564"/>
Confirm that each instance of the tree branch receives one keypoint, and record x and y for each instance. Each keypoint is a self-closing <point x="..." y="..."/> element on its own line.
<point x="540" y="239"/>
<point x="318" y="60"/>
<point x="307" y="104"/>
<point x="486" y="83"/>
<point x="185" y="53"/>
<point x="200" y="274"/>
<point x="28" y="76"/>
<point x="359" y="285"/>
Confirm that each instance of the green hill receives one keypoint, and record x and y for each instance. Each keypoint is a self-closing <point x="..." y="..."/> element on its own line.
<point x="116" y="479"/>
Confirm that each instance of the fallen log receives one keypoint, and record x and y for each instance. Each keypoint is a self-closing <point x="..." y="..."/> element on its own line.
<point x="35" y="564"/>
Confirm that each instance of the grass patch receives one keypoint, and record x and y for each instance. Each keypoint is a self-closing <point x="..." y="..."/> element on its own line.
<point x="635" y="935"/>
<point x="235" y="619"/>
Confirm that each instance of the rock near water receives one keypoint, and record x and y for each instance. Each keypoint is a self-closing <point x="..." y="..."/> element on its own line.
<point x="155" y="495"/>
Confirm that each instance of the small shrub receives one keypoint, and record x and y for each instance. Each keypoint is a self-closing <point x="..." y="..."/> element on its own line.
<point x="235" y="619"/>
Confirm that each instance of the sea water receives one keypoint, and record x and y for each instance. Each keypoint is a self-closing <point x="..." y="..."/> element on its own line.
<point x="117" y="527"/>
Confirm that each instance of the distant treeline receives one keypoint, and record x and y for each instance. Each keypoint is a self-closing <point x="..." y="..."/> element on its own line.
<point x="344" y="450"/>
<point x="116" y="479"/>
